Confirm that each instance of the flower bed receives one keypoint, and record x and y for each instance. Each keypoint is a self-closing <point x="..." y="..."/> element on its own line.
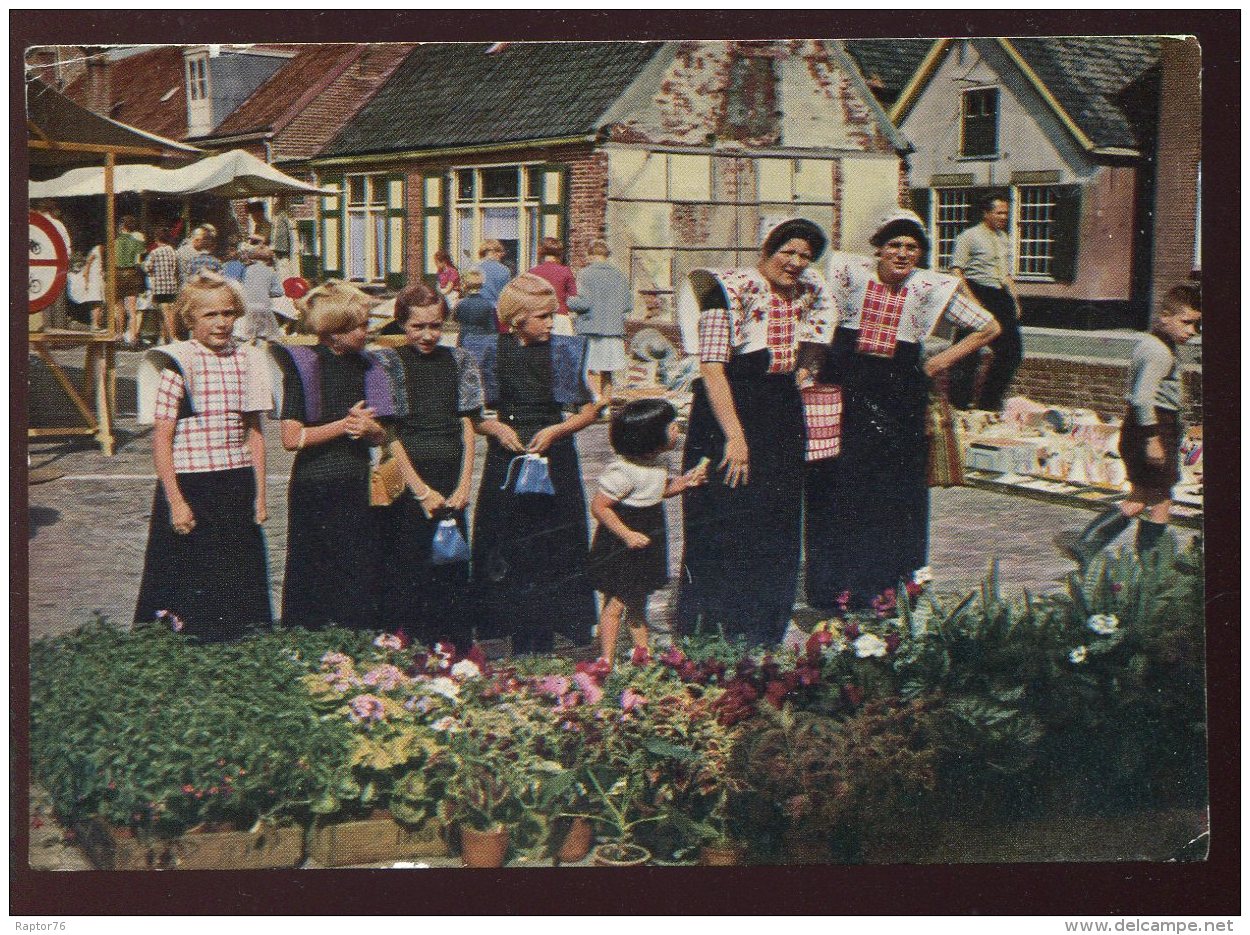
<point x="1092" y="698"/>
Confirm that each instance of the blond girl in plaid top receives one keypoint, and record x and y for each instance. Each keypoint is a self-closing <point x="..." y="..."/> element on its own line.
<point x="205" y="561"/>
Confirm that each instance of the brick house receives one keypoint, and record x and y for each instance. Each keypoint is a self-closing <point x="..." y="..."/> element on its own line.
<point x="1096" y="141"/>
<point x="672" y="151"/>
<point x="1069" y="129"/>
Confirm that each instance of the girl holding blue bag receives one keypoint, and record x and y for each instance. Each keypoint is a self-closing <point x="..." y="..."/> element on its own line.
<point x="427" y="556"/>
<point x="530" y="535"/>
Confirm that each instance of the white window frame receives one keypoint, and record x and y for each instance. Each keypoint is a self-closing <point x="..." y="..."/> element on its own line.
<point x="946" y="228"/>
<point x="527" y="204"/>
<point x="373" y="213"/>
<point x="1033" y="225"/>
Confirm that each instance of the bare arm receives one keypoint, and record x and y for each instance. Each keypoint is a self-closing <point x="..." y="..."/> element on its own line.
<point x="695" y="477"/>
<point x="970" y="344"/>
<point x="459" y="498"/>
<point x="358" y="423"/>
<point x="545" y="438"/>
<point x="255" y="436"/>
<point x="602" y="508"/>
<point x="429" y="498"/>
<point x="180" y="515"/>
<point x="736" y="462"/>
<point x="504" y="434"/>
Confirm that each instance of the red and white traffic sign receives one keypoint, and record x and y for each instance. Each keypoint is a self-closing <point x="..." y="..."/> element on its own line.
<point x="49" y="262"/>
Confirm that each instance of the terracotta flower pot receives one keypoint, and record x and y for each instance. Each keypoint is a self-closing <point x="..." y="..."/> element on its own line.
<point x="483" y="848"/>
<point x="620" y="855"/>
<point x="723" y="854"/>
<point x="576" y="842"/>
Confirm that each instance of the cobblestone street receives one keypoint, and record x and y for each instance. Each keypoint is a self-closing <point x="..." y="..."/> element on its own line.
<point x="88" y="528"/>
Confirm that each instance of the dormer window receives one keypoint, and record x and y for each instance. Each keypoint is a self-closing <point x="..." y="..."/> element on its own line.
<point x="979" y="123"/>
<point x="199" y="95"/>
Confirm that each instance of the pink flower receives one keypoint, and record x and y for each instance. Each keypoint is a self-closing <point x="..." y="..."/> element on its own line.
<point x="385" y="677"/>
<point x="641" y="656"/>
<point x="844" y="600"/>
<point x="555" y="686"/>
<point x="852" y="695"/>
<point x="597" y="670"/>
<point x="851" y="630"/>
<point x="816" y="642"/>
<point x="366" y="708"/>
<point x="390" y="641"/>
<point x="891" y="642"/>
<point x="630" y="699"/>
<point x="589" y="687"/>
<point x="335" y="661"/>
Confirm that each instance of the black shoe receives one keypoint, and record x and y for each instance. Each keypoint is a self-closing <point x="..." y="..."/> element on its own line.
<point x="1097" y="536"/>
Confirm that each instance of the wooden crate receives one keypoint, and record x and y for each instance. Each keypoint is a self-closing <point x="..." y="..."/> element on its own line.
<point x="373" y="841"/>
<point x="264" y="849"/>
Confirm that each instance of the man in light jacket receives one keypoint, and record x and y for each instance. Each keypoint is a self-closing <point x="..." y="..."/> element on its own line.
<point x="603" y="300"/>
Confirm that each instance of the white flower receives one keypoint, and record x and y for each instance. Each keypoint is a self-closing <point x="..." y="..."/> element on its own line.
<point x="466" y="669"/>
<point x="1103" y="624"/>
<point x="923" y="575"/>
<point x="445" y="723"/>
<point x="795" y="638"/>
<point x="1077" y="656"/>
<point x="870" y="645"/>
<point x="445" y="687"/>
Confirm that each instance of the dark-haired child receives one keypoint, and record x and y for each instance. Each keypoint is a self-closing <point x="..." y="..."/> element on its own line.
<point x="1150" y="437"/>
<point x="629" y="555"/>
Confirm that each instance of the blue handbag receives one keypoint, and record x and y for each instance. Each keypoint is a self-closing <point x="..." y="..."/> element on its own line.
<point x="449" y="546"/>
<point x="533" y="476"/>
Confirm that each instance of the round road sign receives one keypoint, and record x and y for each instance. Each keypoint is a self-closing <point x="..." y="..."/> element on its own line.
<point x="49" y="262"/>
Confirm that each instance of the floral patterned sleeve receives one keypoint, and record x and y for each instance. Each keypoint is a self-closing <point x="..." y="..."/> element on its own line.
<point x="820" y="320"/>
<point x="470" y="398"/>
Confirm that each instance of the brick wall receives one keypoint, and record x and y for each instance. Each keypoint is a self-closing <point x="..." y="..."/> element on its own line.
<point x="587" y="196"/>
<point x="1179" y="151"/>
<point x="1092" y="385"/>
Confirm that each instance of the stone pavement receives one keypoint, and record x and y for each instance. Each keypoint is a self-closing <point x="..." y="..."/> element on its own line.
<point x="88" y="528"/>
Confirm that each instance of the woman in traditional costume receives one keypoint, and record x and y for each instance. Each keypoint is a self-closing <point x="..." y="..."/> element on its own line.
<point x="867" y="510"/>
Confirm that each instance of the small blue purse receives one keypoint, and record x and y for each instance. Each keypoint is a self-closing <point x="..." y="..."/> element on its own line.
<point x="449" y="546"/>
<point x="533" y="476"/>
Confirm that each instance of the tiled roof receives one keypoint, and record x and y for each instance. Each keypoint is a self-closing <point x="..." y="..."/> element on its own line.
<point x="1087" y="75"/>
<point x="148" y="91"/>
<point x="271" y="101"/>
<point x="888" y="64"/>
<point x="455" y="94"/>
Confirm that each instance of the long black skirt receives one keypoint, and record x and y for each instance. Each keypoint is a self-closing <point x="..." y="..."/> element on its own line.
<point x="867" y="510"/>
<point x="428" y="602"/>
<point x="741" y="560"/>
<point x="333" y="558"/>
<point x="214" y="579"/>
<point x="631" y="574"/>
<point x="530" y="554"/>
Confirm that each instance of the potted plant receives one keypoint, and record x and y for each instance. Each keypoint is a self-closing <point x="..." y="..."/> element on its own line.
<point x="481" y="799"/>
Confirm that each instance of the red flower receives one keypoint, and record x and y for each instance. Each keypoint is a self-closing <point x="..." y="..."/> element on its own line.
<point x="36" y="821"/>
<point x="851" y="630"/>
<point x="640" y="656"/>
<point x="188" y="789"/>
<point x="913" y="589"/>
<point x="776" y="692"/>
<point x="597" y="670"/>
<point x="891" y="642"/>
<point x="672" y="657"/>
<point x="688" y="671"/>
<point x="478" y="658"/>
<point x="853" y="695"/>
<point x="816" y="642"/>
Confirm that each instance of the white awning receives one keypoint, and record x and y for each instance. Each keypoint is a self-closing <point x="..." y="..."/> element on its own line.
<point x="236" y="174"/>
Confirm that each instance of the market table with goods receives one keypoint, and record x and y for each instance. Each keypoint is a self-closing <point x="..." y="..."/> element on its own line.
<point x="339" y="748"/>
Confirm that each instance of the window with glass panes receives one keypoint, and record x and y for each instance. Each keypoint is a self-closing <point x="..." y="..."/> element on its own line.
<point x="366" y="234"/>
<point x="980" y="122"/>
<point x="197" y="79"/>
<point x="1035" y="230"/>
<point x="954" y="216"/>
<point x="497" y="203"/>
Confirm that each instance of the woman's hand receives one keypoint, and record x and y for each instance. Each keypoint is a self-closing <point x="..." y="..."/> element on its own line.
<point x="432" y="502"/>
<point x="459" y="499"/>
<point x="360" y="420"/>
<point x="736" y="463"/>
<point x="932" y="367"/>
<point x="1154" y="451"/>
<point x="504" y="434"/>
<point x="181" y="517"/>
<point x="543" y="439"/>
<point x="636" y="540"/>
